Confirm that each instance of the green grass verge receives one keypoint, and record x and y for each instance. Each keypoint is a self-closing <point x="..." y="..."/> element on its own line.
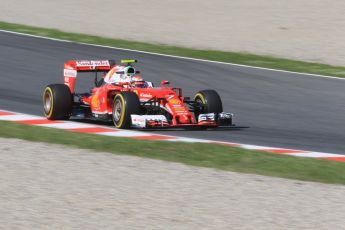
<point x="197" y="154"/>
<point x="231" y="57"/>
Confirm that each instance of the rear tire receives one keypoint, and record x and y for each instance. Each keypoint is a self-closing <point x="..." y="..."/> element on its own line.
<point x="57" y="102"/>
<point x="125" y="104"/>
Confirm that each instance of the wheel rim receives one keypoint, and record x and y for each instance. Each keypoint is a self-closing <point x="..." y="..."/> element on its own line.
<point x="117" y="111"/>
<point x="199" y="101"/>
<point x="47" y="102"/>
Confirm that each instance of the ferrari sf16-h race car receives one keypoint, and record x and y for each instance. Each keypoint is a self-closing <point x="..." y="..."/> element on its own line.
<point x="130" y="104"/>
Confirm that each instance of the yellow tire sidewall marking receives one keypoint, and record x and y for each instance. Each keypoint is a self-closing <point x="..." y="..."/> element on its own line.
<point x="201" y="97"/>
<point x="123" y="110"/>
<point x="50" y="91"/>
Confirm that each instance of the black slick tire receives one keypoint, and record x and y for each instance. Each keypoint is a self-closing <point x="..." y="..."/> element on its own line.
<point x="124" y="105"/>
<point x="57" y="102"/>
<point x="210" y="101"/>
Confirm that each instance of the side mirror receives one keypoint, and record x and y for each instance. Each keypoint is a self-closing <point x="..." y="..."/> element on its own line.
<point x="165" y="82"/>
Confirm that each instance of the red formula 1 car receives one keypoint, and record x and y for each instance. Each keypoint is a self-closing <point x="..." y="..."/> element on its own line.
<point x="123" y="97"/>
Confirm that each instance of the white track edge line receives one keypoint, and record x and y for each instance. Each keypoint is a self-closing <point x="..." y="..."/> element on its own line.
<point x="172" y="56"/>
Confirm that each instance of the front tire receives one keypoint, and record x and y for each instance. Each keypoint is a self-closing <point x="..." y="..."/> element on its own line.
<point x="57" y="102"/>
<point x="209" y="100"/>
<point x="125" y="104"/>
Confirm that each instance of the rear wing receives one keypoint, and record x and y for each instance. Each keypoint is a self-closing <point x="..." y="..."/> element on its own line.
<point x="72" y="67"/>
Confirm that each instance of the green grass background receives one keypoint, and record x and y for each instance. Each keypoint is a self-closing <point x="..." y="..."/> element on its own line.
<point x="197" y="154"/>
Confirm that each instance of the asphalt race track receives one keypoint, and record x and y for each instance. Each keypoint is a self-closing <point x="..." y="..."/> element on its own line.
<point x="271" y="108"/>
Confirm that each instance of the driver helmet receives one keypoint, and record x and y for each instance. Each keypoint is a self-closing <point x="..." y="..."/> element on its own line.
<point x="127" y="74"/>
<point x="138" y="81"/>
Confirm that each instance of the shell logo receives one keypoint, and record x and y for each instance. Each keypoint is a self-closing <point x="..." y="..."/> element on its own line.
<point x="174" y="101"/>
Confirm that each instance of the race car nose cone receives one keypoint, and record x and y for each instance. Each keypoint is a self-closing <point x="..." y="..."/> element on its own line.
<point x="184" y="119"/>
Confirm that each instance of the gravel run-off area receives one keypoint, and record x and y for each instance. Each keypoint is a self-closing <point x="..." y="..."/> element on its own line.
<point x="297" y="29"/>
<point x="45" y="186"/>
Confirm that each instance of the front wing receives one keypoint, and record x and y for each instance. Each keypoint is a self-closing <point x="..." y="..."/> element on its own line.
<point x="160" y="121"/>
